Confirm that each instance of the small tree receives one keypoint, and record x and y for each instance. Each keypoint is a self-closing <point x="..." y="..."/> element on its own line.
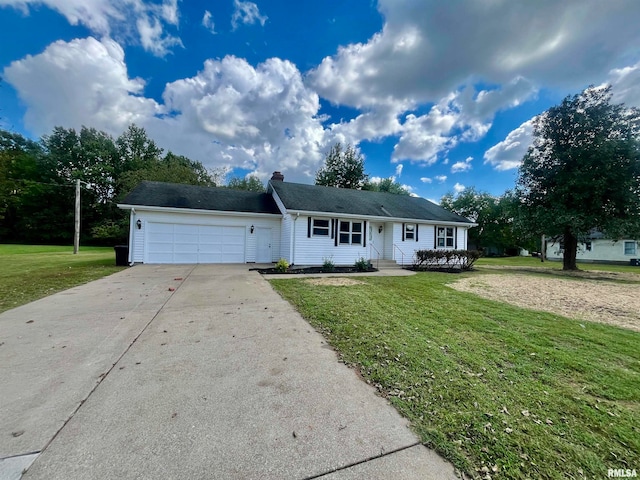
<point x="342" y="168"/>
<point x="388" y="185"/>
<point x="582" y="171"/>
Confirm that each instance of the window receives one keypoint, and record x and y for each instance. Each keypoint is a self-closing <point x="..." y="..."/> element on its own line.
<point x="445" y="237"/>
<point x="629" y="248"/>
<point x="409" y="231"/>
<point x="350" y="233"/>
<point x="587" y="246"/>
<point x="320" y="227"/>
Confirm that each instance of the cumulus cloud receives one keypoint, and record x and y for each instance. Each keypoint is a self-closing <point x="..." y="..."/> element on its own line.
<point x="508" y="154"/>
<point x="399" y="168"/>
<point x="120" y="19"/>
<point x="625" y="84"/>
<point x="441" y="178"/>
<point x="261" y="118"/>
<point x="462" y="166"/>
<point x="246" y="13"/>
<point x="458" y="188"/>
<point x="426" y="180"/>
<point x="86" y="83"/>
<point x="429" y="48"/>
<point x="207" y="22"/>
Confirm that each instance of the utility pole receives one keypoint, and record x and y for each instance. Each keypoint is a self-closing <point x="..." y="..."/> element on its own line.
<point x="76" y="236"/>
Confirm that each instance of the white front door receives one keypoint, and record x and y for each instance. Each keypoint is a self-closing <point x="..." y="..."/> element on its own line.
<point x="263" y="245"/>
<point x="376" y="239"/>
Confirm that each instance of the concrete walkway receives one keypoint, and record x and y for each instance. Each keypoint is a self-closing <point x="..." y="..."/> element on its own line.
<point x="219" y="378"/>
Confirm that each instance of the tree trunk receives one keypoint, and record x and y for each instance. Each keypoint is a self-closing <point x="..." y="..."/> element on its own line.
<point x="570" y="250"/>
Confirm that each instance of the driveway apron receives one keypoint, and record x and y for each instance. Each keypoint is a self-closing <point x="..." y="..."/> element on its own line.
<point x="219" y="378"/>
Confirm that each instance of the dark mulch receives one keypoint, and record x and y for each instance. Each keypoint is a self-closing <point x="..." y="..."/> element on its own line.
<point x="310" y="270"/>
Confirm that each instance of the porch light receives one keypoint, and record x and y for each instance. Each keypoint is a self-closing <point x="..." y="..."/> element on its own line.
<point x="380" y="229"/>
<point x="139" y="224"/>
<point x="251" y="229"/>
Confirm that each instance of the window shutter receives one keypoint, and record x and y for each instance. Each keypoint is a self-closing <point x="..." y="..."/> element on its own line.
<point x="455" y="237"/>
<point x="364" y="234"/>
<point x="337" y="232"/>
<point x="403" y="232"/>
<point x="309" y="227"/>
<point x="416" y="232"/>
<point x="332" y="228"/>
<point x="435" y="237"/>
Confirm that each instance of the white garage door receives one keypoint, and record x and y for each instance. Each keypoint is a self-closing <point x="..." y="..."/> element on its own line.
<point x="177" y="243"/>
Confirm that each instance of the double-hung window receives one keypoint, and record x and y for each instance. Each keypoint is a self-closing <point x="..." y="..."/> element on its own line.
<point x="350" y="233"/>
<point x="445" y="237"/>
<point x="320" y="227"/>
<point x="409" y="231"/>
<point x="630" y="248"/>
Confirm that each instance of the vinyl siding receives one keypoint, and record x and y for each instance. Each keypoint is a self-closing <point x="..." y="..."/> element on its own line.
<point x="602" y="250"/>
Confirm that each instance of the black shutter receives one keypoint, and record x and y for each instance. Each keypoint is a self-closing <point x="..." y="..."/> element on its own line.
<point x="435" y="237"/>
<point x="455" y="236"/>
<point x="364" y="234"/>
<point x="337" y="232"/>
<point x="309" y="227"/>
<point x="416" y="232"/>
<point x="332" y="227"/>
<point x="403" y="232"/>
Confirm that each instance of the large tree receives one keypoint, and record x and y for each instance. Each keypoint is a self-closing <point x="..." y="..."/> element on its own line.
<point x="583" y="171"/>
<point x="388" y="185"/>
<point x="343" y="168"/>
<point x="250" y="183"/>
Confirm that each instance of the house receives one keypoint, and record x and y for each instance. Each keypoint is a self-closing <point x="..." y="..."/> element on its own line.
<point x="304" y="224"/>
<point x="597" y="248"/>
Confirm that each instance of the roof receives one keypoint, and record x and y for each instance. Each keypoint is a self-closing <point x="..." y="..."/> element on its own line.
<point x="315" y="198"/>
<point x="175" y="195"/>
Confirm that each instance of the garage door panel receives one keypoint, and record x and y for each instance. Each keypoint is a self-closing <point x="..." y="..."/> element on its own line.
<point x="185" y="243"/>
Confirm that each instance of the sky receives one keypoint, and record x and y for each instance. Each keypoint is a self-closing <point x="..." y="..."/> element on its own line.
<point x="438" y="95"/>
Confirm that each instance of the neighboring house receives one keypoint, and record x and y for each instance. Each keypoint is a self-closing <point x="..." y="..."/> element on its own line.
<point x="305" y="224"/>
<point x="597" y="248"/>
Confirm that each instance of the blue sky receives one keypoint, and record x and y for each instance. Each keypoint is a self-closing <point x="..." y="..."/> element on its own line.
<point x="439" y="95"/>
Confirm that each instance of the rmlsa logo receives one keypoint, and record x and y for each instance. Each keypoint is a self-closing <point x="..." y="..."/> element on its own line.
<point x="622" y="473"/>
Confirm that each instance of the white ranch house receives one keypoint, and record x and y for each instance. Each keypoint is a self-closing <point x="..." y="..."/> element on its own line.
<point x="598" y="249"/>
<point x="304" y="224"/>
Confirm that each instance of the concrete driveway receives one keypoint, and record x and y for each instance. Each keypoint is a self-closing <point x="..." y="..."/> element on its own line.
<point x="188" y="372"/>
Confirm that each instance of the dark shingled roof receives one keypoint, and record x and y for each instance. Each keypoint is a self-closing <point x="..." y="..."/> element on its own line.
<point x="160" y="194"/>
<point x="314" y="198"/>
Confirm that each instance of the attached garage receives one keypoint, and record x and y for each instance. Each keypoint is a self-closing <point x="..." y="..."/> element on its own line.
<point x="185" y="224"/>
<point x="177" y="243"/>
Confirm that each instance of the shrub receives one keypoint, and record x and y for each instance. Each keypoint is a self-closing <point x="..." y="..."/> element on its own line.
<point x="445" y="259"/>
<point x="362" y="264"/>
<point x="327" y="265"/>
<point x="282" y="266"/>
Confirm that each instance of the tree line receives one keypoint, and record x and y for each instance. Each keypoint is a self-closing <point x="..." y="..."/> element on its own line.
<point x="37" y="181"/>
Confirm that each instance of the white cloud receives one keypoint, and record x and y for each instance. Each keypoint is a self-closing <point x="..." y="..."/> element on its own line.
<point x="426" y="180"/>
<point x="508" y="154"/>
<point x="626" y="85"/>
<point x="458" y="188"/>
<point x="207" y="22"/>
<point x="441" y="178"/>
<point x="86" y="83"/>
<point x="462" y="166"/>
<point x="430" y="48"/>
<point x="399" y="170"/>
<point x="120" y="19"/>
<point x="261" y="118"/>
<point x="246" y="13"/>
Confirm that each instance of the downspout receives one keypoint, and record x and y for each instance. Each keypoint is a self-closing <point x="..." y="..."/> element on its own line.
<point x="131" y="232"/>
<point x="293" y="254"/>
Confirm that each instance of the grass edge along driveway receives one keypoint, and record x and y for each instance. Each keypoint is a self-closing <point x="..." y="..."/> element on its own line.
<point x="30" y="272"/>
<point x="500" y="391"/>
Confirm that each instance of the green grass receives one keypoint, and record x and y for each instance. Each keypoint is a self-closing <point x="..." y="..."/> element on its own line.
<point x="30" y="272"/>
<point x="493" y="388"/>
<point x="535" y="262"/>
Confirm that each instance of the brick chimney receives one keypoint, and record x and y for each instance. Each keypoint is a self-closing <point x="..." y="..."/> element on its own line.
<point x="277" y="177"/>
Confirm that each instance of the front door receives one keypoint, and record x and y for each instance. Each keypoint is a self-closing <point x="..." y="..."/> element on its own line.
<point x="376" y="240"/>
<point x="263" y="245"/>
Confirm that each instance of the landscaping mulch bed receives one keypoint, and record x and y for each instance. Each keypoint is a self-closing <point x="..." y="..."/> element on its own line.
<point x="311" y="270"/>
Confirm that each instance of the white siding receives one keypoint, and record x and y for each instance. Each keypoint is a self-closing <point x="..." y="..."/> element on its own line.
<point x="140" y="238"/>
<point x="602" y="250"/>
<point x="285" y="239"/>
<point x="426" y="241"/>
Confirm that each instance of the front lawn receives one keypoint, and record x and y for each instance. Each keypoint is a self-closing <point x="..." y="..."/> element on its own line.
<point x="30" y="272"/>
<point x="535" y="262"/>
<point x="500" y="391"/>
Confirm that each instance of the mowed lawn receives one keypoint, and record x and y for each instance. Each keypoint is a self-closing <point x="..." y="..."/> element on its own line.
<point x="502" y="392"/>
<point x="30" y="272"/>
